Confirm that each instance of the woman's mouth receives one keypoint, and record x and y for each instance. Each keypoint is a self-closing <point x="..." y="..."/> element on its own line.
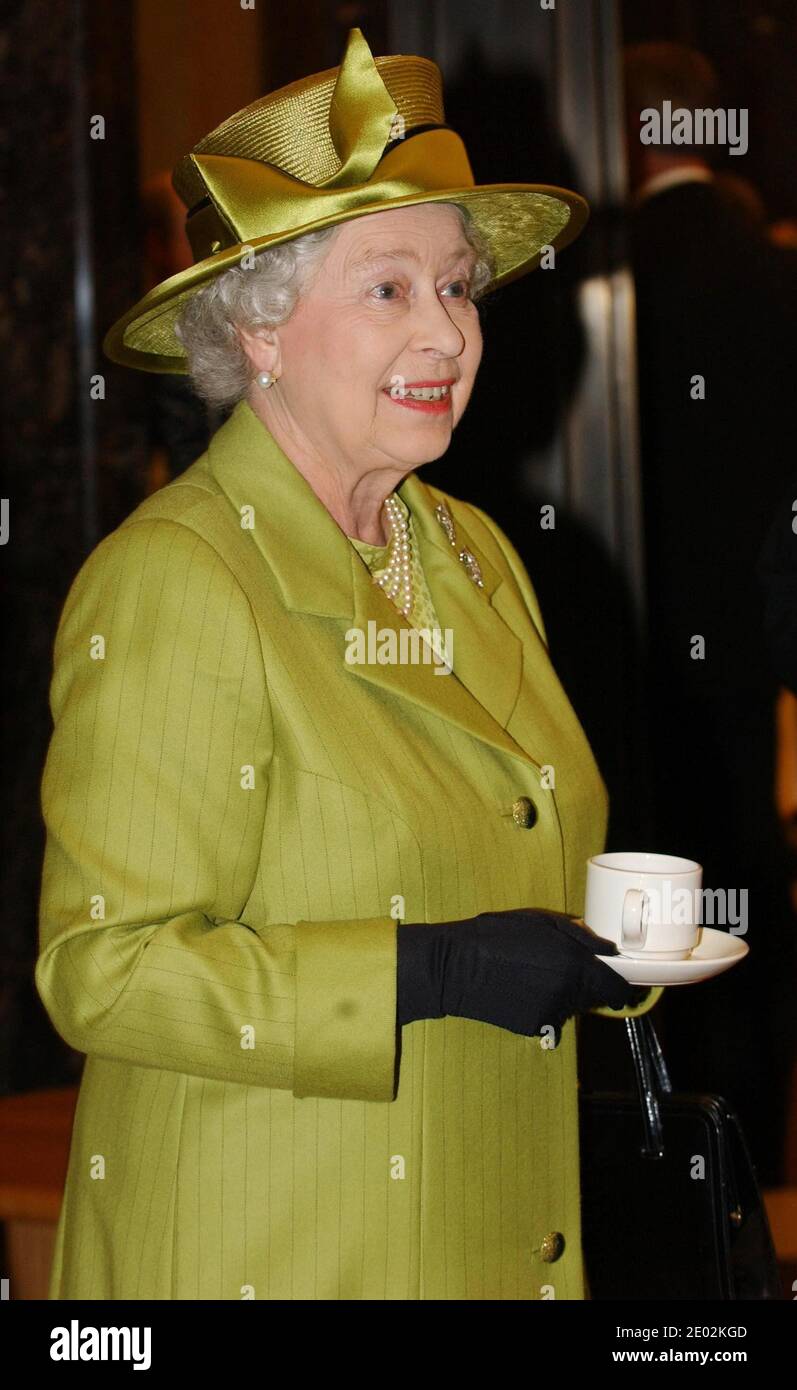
<point x="432" y="397"/>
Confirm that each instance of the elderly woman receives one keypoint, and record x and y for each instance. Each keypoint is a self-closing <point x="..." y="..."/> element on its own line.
<point x="309" y="902"/>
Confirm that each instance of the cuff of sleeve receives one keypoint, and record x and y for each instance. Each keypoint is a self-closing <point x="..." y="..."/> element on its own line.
<point x="651" y="998"/>
<point x="345" y="1040"/>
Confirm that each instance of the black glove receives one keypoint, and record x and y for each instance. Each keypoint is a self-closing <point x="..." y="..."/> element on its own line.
<point x="520" y="970"/>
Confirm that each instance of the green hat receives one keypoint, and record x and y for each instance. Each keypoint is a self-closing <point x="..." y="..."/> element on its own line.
<point x="363" y="137"/>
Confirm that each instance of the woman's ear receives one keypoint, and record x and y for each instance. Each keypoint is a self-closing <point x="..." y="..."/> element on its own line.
<point x="262" y="347"/>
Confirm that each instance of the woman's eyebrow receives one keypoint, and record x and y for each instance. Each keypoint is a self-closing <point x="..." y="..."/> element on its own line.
<point x="401" y="253"/>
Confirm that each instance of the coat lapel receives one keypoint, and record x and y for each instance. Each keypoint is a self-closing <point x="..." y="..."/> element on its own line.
<point x="491" y="666"/>
<point x="320" y="572"/>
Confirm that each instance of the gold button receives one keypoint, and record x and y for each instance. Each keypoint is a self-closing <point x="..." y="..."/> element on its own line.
<point x="524" y="812"/>
<point x="214" y="247"/>
<point x="552" y="1246"/>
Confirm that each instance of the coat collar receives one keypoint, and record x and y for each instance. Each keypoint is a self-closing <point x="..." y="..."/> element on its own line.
<point x="320" y="572"/>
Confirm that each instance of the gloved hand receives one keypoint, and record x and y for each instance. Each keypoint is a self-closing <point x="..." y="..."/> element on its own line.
<point x="520" y="969"/>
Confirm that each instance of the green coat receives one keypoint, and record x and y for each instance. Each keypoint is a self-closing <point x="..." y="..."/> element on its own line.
<point x="235" y="817"/>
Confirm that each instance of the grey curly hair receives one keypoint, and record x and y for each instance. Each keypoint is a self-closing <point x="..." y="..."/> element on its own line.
<point x="265" y="296"/>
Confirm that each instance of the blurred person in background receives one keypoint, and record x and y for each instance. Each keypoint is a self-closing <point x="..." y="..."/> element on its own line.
<point x="715" y="300"/>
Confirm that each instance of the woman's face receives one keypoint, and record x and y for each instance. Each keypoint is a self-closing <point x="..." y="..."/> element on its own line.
<point x="388" y="307"/>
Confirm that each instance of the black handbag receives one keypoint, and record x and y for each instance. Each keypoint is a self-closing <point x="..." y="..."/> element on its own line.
<point x="671" y="1207"/>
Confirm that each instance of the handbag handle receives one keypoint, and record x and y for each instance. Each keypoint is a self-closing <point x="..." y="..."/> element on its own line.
<point x="652" y="1079"/>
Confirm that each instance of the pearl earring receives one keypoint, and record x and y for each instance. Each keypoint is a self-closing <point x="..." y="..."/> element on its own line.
<point x="265" y="379"/>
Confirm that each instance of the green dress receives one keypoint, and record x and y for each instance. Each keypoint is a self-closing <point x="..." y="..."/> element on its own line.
<point x="236" y="818"/>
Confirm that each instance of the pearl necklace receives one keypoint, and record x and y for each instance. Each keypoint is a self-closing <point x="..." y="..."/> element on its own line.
<point x="397" y="577"/>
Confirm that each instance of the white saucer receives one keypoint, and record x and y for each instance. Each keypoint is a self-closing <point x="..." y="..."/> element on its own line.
<point x="716" y="951"/>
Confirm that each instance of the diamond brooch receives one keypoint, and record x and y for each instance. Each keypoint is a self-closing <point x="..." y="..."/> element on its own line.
<point x="446" y="520"/>
<point x="468" y="559"/>
<point x="472" y="567"/>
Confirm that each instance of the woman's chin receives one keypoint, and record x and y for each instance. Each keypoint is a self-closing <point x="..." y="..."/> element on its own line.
<point x="421" y="444"/>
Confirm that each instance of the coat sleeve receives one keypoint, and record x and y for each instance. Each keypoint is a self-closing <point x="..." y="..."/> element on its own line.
<point x="153" y="797"/>
<point x="526" y="588"/>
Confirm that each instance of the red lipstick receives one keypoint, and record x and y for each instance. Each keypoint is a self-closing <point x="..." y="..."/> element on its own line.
<point x="441" y="407"/>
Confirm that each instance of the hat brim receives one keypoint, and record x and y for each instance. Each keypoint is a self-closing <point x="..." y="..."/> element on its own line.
<point x="518" y="220"/>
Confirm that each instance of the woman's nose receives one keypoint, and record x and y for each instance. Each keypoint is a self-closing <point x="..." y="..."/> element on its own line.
<point x="434" y="327"/>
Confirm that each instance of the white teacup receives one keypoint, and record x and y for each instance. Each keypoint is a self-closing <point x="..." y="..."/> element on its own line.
<point x="648" y="904"/>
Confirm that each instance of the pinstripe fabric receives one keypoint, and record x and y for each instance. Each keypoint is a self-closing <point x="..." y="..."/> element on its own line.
<point x="233" y="813"/>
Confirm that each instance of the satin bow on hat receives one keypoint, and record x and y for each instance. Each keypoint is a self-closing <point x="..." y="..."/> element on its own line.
<point x="247" y="195"/>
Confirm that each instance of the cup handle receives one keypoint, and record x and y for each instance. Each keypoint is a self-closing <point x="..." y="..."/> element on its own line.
<point x="634" y="927"/>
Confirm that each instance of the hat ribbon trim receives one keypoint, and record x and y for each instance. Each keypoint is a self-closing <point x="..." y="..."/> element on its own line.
<point x="251" y="200"/>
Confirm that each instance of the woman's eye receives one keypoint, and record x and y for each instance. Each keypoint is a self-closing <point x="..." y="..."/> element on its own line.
<point x="464" y="286"/>
<point x="461" y="290"/>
